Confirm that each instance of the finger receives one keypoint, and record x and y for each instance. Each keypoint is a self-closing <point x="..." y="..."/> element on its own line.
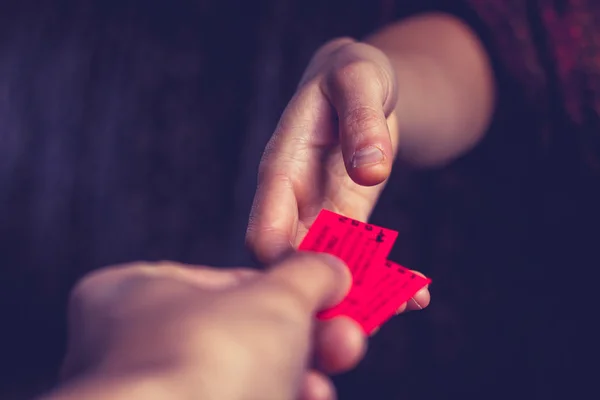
<point x="419" y="301"/>
<point x="340" y="345"/>
<point x="316" y="386"/>
<point x="289" y="174"/>
<point x="314" y="281"/>
<point x="273" y="218"/>
<point x="363" y="93"/>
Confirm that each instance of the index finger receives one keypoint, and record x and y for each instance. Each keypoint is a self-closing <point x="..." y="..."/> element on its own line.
<point x="288" y="176"/>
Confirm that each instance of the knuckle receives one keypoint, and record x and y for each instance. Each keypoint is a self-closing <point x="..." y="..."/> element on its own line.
<point x="254" y="243"/>
<point x="361" y="62"/>
<point x="347" y="72"/>
<point x="278" y="165"/>
<point x="265" y="169"/>
<point x="288" y="304"/>
<point x="88" y="290"/>
<point x="81" y="294"/>
<point x="266" y="159"/>
<point x="260" y="239"/>
<point x="274" y="179"/>
<point x="323" y="57"/>
<point x="250" y="237"/>
<point x="335" y="46"/>
<point x="363" y="118"/>
<point x="265" y="237"/>
<point x="280" y="177"/>
<point x="163" y="266"/>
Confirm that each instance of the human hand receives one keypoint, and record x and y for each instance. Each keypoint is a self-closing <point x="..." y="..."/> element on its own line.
<point x="214" y="334"/>
<point x="333" y="148"/>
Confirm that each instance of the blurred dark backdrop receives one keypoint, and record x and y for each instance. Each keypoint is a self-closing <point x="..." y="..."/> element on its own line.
<point x="131" y="130"/>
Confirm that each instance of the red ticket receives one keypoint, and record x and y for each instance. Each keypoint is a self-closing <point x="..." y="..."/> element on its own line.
<point x="352" y="306"/>
<point x="358" y="244"/>
<point x="379" y="287"/>
<point x="394" y="286"/>
<point x="387" y="289"/>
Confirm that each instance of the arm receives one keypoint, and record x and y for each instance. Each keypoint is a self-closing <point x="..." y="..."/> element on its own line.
<point x="422" y="88"/>
<point x="446" y="82"/>
<point x="171" y="331"/>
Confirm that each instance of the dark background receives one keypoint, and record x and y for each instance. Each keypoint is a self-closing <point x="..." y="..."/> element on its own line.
<point x="131" y="130"/>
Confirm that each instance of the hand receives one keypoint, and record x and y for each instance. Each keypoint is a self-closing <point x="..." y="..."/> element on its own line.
<point x="333" y="148"/>
<point x="213" y="334"/>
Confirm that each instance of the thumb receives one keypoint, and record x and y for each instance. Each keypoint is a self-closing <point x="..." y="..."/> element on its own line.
<point x="314" y="281"/>
<point x="361" y="87"/>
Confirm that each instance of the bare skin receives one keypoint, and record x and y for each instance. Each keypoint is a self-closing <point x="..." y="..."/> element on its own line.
<point x="171" y="331"/>
<point x="422" y="88"/>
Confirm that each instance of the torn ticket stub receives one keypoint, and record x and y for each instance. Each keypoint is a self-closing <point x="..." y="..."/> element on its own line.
<point x="379" y="286"/>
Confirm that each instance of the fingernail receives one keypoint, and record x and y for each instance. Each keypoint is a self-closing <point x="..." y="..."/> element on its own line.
<point x="416" y="303"/>
<point x="367" y="156"/>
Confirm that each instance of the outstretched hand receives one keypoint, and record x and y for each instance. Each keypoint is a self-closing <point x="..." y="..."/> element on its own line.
<point x="182" y="332"/>
<point x="333" y="148"/>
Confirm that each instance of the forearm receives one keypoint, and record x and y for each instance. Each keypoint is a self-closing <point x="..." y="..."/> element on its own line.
<point x="446" y="87"/>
